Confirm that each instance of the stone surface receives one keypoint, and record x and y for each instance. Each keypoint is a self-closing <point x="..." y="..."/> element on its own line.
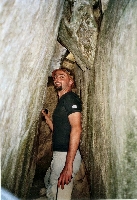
<point x="58" y="56"/>
<point x="114" y="110"/>
<point x="78" y="32"/>
<point x="109" y="97"/>
<point x="104" y="4"/>
<point x="105" y="71"/>
<point x="28" y="34"/>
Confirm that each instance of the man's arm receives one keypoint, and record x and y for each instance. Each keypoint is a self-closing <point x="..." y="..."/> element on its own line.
<point x="76" y="128"/>
<point x="48" y="120"/>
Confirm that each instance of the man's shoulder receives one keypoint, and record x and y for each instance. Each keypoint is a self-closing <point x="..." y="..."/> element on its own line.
<point x="72" y="98"/>
<point x="72" y="95"/>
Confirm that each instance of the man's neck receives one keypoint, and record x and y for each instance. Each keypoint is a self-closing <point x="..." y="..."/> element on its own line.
<point x="62" y="92"/>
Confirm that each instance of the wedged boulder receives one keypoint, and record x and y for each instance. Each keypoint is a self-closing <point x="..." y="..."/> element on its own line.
<point x="78" y="32"/>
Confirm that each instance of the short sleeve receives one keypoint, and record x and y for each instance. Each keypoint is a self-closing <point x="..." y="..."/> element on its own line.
<point x="72" y="103"/>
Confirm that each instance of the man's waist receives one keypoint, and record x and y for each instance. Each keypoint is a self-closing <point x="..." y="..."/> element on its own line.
<point x="60" y="148"/>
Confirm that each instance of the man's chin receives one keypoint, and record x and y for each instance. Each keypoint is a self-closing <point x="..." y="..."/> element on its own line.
<point x="58" y="88"/>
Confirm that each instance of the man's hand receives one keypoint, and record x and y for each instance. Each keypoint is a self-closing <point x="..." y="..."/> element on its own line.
<point x="47" y="118"/>
<point x="65" y="177"/>
<point x="44" y="114"/>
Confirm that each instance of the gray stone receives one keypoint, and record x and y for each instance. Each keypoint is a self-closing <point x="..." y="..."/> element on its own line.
<point x="28" y="40"/>
<point x="104" y="49"/>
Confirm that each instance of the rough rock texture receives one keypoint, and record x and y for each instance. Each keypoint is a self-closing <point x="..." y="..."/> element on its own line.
<point x="58" y="57"/>
<point x="105" y="52"/>
<point x="104" y="4"/>
<point x="114" y="109"/>
<point x="109" y="96"/>
<point x="78" y="31"/>
<point x="28" y="35"/>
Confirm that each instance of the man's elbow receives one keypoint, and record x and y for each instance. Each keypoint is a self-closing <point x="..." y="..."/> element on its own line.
<point x="78" y="130"/>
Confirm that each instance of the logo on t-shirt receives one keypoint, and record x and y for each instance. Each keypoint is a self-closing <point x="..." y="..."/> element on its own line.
<point x="74" y="106"/>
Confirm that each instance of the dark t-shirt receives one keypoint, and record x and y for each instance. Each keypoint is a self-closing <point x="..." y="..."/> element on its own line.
<point x="68" y="104"/>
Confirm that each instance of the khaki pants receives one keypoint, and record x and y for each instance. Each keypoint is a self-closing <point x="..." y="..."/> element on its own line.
<point x="53" y="173"/>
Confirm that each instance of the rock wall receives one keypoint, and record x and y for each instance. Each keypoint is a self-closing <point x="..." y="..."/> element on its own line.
<point x="103" y="40"/>
<point x="28" y="35"/>
<point x="114" y="108"/>
<point x="108" y="90"/>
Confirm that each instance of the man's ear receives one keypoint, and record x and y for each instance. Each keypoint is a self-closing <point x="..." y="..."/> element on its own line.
<point x="71" y="82"/>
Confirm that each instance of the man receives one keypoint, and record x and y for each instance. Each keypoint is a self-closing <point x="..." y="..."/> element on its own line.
<point x="66" y="127"/>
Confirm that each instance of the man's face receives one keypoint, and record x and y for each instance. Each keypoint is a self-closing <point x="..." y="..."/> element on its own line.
<point x="62" y="81"/>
